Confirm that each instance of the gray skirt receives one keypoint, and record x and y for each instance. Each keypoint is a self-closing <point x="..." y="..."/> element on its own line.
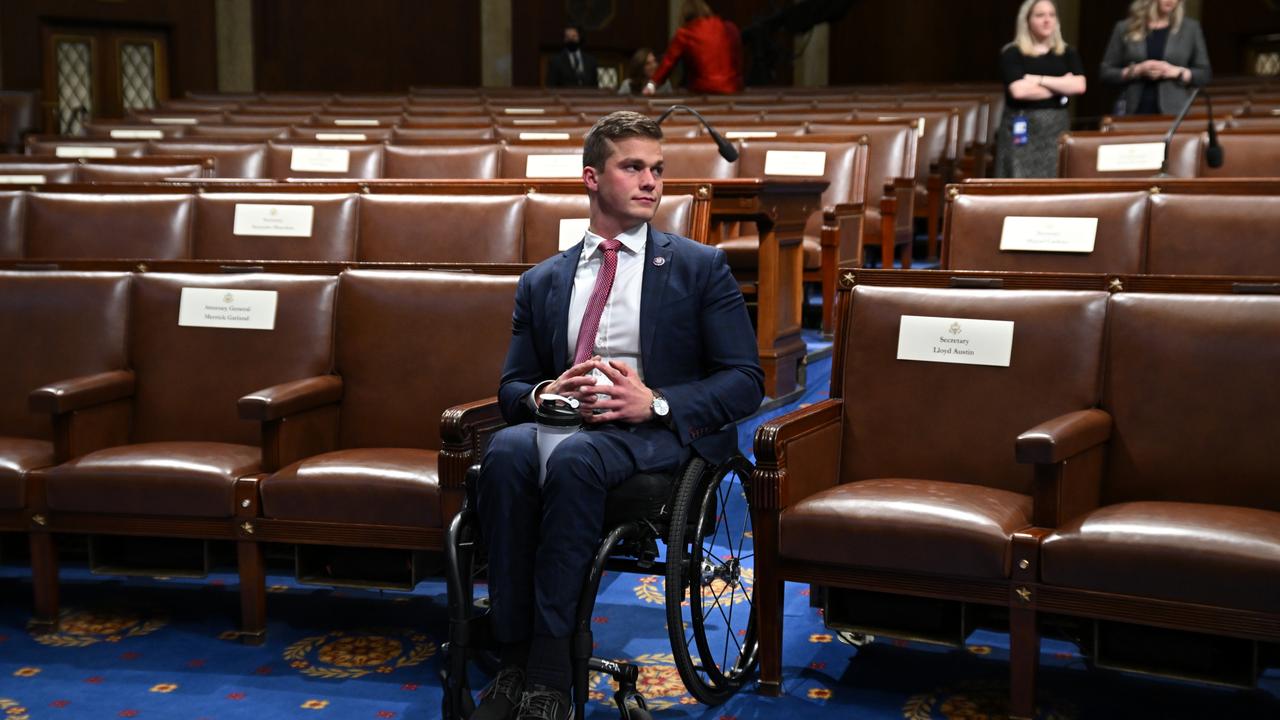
<point x="1039" y="157"/>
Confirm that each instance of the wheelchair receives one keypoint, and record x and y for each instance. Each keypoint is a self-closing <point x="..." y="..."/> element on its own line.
<point x="703" y="516"/>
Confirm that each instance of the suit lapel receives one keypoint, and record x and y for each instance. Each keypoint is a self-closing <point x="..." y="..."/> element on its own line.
<point x="558" y="304"/>
<point x="658" y="252"/>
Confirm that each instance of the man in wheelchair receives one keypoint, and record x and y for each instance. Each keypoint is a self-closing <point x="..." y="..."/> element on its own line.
<point x="649" y="333"/>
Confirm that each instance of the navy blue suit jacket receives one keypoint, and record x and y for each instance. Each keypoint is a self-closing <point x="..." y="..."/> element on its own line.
<point x="696" y="342"/>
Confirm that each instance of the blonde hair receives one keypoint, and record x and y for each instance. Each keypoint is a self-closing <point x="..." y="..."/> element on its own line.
<point x="1142" y="12"/>
<point x="1022" y="31"/>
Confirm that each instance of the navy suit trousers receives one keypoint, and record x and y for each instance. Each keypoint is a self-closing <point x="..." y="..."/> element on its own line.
<point x="541" y="540"/>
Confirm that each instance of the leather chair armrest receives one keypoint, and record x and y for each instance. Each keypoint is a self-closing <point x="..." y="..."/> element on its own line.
<point x="464" y="431"/>
<point x="1063" y="437"/>
<point x="797" y="455"/>
<point x="82" y="392"/>
<point x="279" y="401"/>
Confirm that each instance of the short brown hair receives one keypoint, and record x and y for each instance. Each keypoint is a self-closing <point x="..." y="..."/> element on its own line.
<point x="615" y="126"/>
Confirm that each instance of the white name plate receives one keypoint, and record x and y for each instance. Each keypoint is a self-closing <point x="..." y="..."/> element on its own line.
<point x="173" y="121"/>
<point x="544" y="136"/>
<point x="804" y="163"/>
<point x="533" y="121"/>
<point x="228" y="308"/>
<point x="22" y="180"/>
<point x="84" y="151"/>
<point x="572" y="230"/>
<point x="305" y="159"/>
<point x="748" y="134"/>
<point x="1049" y="234"/>
<point x="273" y="220"/>
<point x="955" y="340"/>
<point x="524" y="111"/>
<point x="1130" y="156"/>
<point x="568" y="165"/>
<point x="342" y="137"/>
<point x="126" y="134"/>
<point x="365" y="122"/>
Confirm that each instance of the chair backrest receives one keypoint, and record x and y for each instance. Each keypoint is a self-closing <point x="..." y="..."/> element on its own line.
<point x="19" y="169"/>
<point x="1214" y="235"/>
<point x="477" y="161"/>
<point x="230" y="159"/>
<point x="976" y="224"/>
<point x="301" y="160"/>
<point x="1190" y="385"/>
<point x="1128" y="155"/>
<point x="86" y="225"/>
<point x="891" y="153"/>
<point x="841" y="160"/>
<point x="697" y="158"/>
<point x="554" y="221"/>
<point x="413" y="344"/>
<point x="962" y="420"/>
<point x="331" y="133"/>
<point x="441" y="228"/>
<point x="239" y="132"/>
<point x="85" y="147"/>
<point x="444" y="132"/>
<point x="150" y="172"/>
<point x="189" y="377"/>
<point x="275" y="226"/>
<point x="13" y="206"/>
<point x="1246" y="153"/>
<point x="56" y="326"/>
<point x="541" y="161"/>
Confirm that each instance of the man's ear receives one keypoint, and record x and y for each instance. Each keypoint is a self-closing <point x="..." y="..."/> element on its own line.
<point x="590" y="178"/>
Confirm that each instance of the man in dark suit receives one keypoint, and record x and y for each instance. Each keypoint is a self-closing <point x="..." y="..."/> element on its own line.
<point x="571" y="67"/>
<point x="649" y="332"/>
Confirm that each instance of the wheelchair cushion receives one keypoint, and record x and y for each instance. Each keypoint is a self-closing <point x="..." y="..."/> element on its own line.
<point x="639" y="497"/>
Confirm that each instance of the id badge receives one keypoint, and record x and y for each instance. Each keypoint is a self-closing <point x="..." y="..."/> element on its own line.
<point x="1019" y="129"/>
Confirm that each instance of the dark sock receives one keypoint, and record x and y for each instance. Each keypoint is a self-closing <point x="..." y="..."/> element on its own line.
<point x="514" y="654"/>
<point x="549" y="663"/>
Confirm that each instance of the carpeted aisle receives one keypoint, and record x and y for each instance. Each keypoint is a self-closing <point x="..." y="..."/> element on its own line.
<point x="140" y="648"/>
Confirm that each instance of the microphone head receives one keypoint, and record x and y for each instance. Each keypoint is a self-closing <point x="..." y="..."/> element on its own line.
<point x="727" y="150"/>
<point x="1213" y="155"/>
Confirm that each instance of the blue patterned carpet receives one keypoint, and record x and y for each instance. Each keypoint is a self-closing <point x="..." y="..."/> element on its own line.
<point x="133" y="648"/>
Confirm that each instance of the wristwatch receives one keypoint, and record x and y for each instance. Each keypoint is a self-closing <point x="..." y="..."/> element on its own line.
<point x="661" y="410"/>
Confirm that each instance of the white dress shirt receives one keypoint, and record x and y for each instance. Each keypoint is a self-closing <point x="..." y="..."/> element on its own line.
<point x="618" y="336"/>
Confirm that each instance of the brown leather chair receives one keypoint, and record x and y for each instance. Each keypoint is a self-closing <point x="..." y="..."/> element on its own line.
<point x="1246" y="153"/>
<point x="332" y="235"/>
<point x="332" y="133"/>
<point x="184" y="119"/>
<point x="137" y="172"/>
<point x="534" y="134"/>
<point x="362" y="160"/>
<point x="425" y="228"/>
<point x="133" y="131"/>
<point x="695" y="159"/>
<point x="375" y="482"/>
<point x="545" y="211"/>
<point x="275" y="118"/>
<point x="350" y="119"/>
<point x="470" y="161"/>
<point x="42" y="169"/>
<point x="1078" y="154"/>
<point x="833" y="232"/>
<point x="456" y="133"/>
<point x="85" y="225"/>
<point x="1214" y="235"/>
<point x="514" y="161"/>
<point x="174" y="459"/>
<point x="975" y="221"/>
<point x="86" y="147"/>
<point x="231" y="159"/>
<point x="904" y="485"/>
<point x="13" y="205"/>
<point x="243" y="133"/>
<point x="80" y="321"/>
<point x="1174" y="515"/>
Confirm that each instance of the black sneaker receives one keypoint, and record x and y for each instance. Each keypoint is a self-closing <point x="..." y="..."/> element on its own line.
<point x="543" y="703"/>
<point x="498" y="701"/>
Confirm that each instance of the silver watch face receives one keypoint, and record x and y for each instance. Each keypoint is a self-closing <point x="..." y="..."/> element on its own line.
<point x="660" y="407"/>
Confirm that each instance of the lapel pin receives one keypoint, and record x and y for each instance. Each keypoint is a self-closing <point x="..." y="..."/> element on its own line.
<point x="659" y="261"/>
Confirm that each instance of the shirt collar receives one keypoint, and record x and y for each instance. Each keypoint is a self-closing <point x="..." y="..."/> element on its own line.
<point x="633" y="240"/>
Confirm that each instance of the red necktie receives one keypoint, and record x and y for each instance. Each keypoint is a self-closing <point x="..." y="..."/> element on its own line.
<point x="595" y="306"/>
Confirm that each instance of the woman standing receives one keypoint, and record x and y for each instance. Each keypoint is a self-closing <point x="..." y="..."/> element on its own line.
<point x="711" y="48"/>
<point x="1040" y="72"/>
<point x="1156" y="55"/>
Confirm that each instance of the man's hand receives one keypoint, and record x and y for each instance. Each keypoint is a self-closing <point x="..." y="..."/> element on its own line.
<point x="572" y="381"/>
<point x="629" y="400"/>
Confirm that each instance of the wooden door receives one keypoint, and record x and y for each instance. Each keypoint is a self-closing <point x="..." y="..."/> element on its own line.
<point x="101" y="72"/>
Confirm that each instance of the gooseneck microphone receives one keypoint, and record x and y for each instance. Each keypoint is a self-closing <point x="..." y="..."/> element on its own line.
<point x="727" y="150"/>
<point x="1213" y="154"/>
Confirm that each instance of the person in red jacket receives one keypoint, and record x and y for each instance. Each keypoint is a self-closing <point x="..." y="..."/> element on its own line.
<point x="711" y="48"/>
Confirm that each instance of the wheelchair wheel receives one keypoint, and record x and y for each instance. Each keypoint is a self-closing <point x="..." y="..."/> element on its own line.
<point x="710" y="557"/>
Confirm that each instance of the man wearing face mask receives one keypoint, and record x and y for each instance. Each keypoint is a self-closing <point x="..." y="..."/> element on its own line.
<point x="571" y="67"/>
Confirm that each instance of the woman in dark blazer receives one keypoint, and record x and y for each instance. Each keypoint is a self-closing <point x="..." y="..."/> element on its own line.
<point x="1156" y="55"/>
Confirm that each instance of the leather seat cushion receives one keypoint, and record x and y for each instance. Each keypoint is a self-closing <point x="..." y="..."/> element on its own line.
<point x="371" y="486"/>
<point x="1208" y="554"/>
<point x="188" y="479"/>
<point x="17" y="457"/>
<point x="924" y="526"/>
<point x="743" y="252"/>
